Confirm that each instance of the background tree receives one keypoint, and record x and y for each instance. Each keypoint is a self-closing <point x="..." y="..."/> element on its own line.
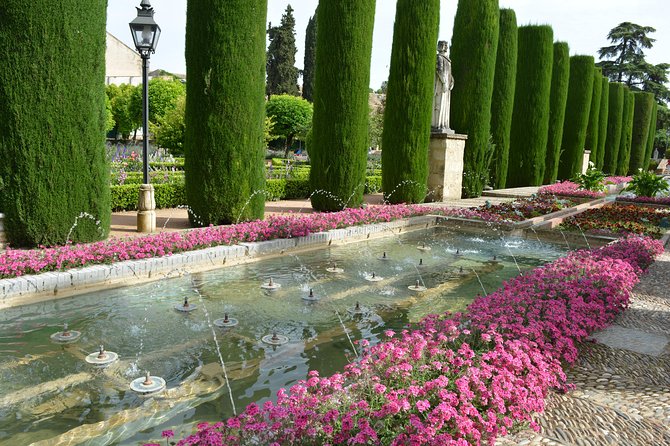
<point x="310" y="58"/>
<point x="614" y="124"/>
<point x="473" y="55"/>
<point x="376" y="125"/>
<point x="126" y="121"/>
<point x="52" y="131"/>
<point x="291" y="117"/>
<point x="163" y="96"/>
<point x="225" y="110"/>
<point x="560" y="77"/>
<point x="409" y="101"/>
<point x="602" y="125"/>
<point x="591" y="142"/>
<point x="530" y="119"/>
<point x="282" y="75"/>
<point x="502" y="103"/>
<point x="341" y="87"/>
<point x="577" y="112"/>
<point x="627" y="51"/>
<point x="643" y="109"/>
<point x="623" y="159"/>
<point x="170" y="130"/>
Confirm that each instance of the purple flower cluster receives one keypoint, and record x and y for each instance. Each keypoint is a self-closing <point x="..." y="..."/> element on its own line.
<point x="454" y="380"/>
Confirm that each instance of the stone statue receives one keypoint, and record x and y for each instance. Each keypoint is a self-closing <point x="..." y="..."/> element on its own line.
<point x="444" y="83"/>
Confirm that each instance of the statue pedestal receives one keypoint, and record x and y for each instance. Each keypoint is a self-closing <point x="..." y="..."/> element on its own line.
<point x="585" y="161"/>
<point x="445" y="163"/>
<point x="146" y="214"/>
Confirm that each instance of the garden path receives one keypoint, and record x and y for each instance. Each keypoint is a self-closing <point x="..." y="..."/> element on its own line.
<point x="622" y="394"/>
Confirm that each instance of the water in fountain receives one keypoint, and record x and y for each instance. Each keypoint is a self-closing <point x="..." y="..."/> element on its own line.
<point x="565" y="238"/>
<point x="532" y="228"/>
<point x="88" y="216"/>
<point x="199" y="221"/>
<point x="480" y="281"/>
<point x="251" y="197"/>
<point x="583" y="235"/>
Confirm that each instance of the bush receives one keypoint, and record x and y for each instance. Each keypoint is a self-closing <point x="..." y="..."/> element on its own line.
<point x="373" y="184"/>
<point x="168" y="195"/>
<point x="592" y="180"/>
<point x="647" y="184"/>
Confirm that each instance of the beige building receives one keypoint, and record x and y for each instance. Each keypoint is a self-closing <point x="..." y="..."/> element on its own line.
<point x="123" y="64"/>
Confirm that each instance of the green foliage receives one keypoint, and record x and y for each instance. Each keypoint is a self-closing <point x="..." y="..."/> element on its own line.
<point x="163" y="97"/>
<point x="310" y="58"/>
<point x="530" y="119"/>
<point x="225" y="109"/>
<point x="643" y="109"/>
<point x="169" y="133"/>
<point x="282" y="75"/>
<point x="502" y="103"/>
<point x="591" y="142"/>
<point x="576" y="120"/>
<point x="593" y="179"/>
<point x="408" y="113"/>
<point x="623" y="159"/>
<point x="614" y="125"/>
<point x="291" y="118"/>
<point x="52" y="131"/>
<point x="167" y="195"/>
<point x="126" y="120"/>
<point x="474" y="48"/>
<point x="602" y="124"/>
<point x="560" y="77"/>
<point x="651" y="134"/>
<point x="109" y="117"/>
<point x="647" y="184"/>
<point x="376" y="126"/>
<point x="373" y="184"/>
<point x="339" y="151"/>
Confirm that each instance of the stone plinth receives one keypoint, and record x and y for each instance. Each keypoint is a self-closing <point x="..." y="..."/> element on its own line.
<point x="445" y="161"/>
<point x="146" y="209"/>
<point x="585" y="161"/>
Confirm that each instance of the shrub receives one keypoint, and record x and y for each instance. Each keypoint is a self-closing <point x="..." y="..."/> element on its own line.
<point x="373" y="184"/>
<point x="560" y="76"/>
<point x="592" y="180"/>
<point x="473" y="55"/>
<point x="168" y="195"/>
<point x="643" y="109"/>
<point x="408" y="112"/>
<point x="647" y="184"/>
<point x="614" y="124"/>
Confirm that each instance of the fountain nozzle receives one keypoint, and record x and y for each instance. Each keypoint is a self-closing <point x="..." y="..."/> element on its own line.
<point x="417" y="285"/>
<point x="420" y="262"/>
<point x="147" y="379"/>
<point x="186" y="302"/>
<point x="102" y="354"/>
<point x="358" y="306"/>
<point x="311" y="292"/>
<point x="460" y="270"/>
<point x="225" y="318"/>
<point x="66" y="333"/>
<point x="270" y="283"/>
<point x="275" y="337"/>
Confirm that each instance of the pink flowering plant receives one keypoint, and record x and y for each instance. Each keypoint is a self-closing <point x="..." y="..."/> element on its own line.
<point x="460" y="379"/>
<point x="573" y="189"/>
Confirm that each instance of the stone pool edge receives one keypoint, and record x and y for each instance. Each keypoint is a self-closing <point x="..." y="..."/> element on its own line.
<point x="60" y="284"/>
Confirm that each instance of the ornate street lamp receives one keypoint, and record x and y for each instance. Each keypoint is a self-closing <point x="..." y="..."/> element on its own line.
<point x="145" y="33"/>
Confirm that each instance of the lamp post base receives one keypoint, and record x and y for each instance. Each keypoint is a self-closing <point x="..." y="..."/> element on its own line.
<point x="146" y="214"/>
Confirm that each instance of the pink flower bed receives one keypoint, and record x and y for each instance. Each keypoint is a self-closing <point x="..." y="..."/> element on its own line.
<point x="571" y="189"/>
<point x="15" y="263"/>
<point x="665" y="201"/>
<point x="459" y="379"/>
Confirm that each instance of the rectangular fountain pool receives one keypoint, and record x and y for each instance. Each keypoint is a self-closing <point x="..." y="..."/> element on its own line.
<point x="50" y="395"/>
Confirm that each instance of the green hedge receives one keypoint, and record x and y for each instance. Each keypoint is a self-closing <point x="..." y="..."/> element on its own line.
<point x="577" y="111"/>
<point x="530" y="120"/>
<point x="643" y="109"/>
<point x="502" y="103"/>
<point x="408" y="113"/>
<point x="225" y="110"/>
<point x="623" y="159"/>
<point x="651" y="135"/>
<point x="473" y="55"/>
<point x="592" y="136"/>
<point x="52" y="121"/>
<point x="614" y="124"/>
<point x="602" y="118"/>
<point x="341" y="90"/>
<point x="560" y="77"/>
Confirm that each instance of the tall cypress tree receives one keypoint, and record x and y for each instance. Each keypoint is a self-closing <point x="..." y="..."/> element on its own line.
<point x="341" y="85"/>
<point x="614" y="124"/>
<point x="310" y="58"/>
<point x="577" y="112"/>
<point x="225" y="110"/>
<point x="408" y="113"/>
<point x="52" y="130"/>
<point x="651" y="135"/>
<point x="602" y="118"/>
<point x="643" y="110"/>
<point x="282" y="75"/>
<point x="530" y="121"/>
<point x="560" y="77"/>
<point x="473" y="54"/>
<point x="502" y="103"/>
<point x="623" y="160"/>
<point x="592" y="136"/>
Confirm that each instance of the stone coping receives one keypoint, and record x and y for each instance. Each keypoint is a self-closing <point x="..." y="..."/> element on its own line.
<point x="46" y="286"/>
<point x="444" y="135"/>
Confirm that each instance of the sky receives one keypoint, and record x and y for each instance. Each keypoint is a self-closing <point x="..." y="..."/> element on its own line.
<point x="584" y="24"/>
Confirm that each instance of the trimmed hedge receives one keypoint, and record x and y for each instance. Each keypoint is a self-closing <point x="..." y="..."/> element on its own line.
<point x="592" y="136"/>
<point x="602" y="125"/>
<point x="473" y="55"/>
<point x="341" y="84"/>
<point x="643" y="109"/>
<point x="577" y="112"/>
<point x="623" y="159"/>
<point x="53" y="119"/>
<point x="560" y="77"/>
<point x="225" y="110"/>
<point x="651" y="135"/>
<point x="408" y="113"/>
<point x="502" y="103"/>
<point x="530" y="120"/>
<point x="614" y="125"/>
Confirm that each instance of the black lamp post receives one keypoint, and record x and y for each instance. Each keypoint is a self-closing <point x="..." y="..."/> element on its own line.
<point x="145" y="33"/>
